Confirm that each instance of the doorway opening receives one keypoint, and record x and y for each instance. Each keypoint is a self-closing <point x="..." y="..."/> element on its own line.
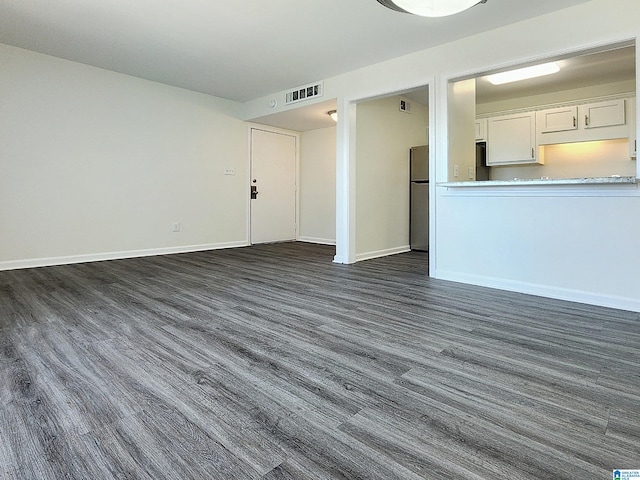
<point x="387" y="128"/>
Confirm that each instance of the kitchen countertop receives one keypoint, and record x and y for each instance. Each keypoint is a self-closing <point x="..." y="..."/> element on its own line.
<point x="543" y="181"/>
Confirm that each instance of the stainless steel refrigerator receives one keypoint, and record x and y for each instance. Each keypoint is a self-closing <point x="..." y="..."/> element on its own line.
<point x="419" y="211"/>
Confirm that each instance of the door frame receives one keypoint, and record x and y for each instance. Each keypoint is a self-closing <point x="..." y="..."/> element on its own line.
<point x="346" y="146"/>
<point x="281" y="131"/>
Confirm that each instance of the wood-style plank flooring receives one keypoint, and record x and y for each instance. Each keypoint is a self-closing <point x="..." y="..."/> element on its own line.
<point x="271" y="362"/>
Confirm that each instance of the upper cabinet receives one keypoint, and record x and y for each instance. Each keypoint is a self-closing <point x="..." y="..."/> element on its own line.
<point x="511" y="139"/>
<point x="584" y="122"/>
<point x="514" y="138"/>
<point x="631" y="116"/>
<point x="559" y="119"/>
<point x="481" y="130"/>
<point x="603" y="114"/>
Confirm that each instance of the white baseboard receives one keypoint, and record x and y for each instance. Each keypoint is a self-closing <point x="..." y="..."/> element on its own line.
<point x="343" y="260"/>
<point x="321" y="241"/>
<point x="98" y="257"/>
<point x="548" y="291"/>
<point x="382" y="253"/>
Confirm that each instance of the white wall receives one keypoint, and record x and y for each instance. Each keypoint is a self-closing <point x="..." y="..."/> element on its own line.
<point x="461" y="145"/>
<point x="94" y="164"/>
<point x="576" y="244"/>
<point x="318" y="186"/>
<point x="384" y="137"/>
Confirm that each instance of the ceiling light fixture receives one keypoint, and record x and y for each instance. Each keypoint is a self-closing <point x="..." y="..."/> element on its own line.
<point x="523" y="73"/>
<point x="333" y="114"/>
<point x="430" y="8"/>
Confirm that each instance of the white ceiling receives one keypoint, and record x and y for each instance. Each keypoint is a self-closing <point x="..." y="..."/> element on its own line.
<point x="240" y="49"/>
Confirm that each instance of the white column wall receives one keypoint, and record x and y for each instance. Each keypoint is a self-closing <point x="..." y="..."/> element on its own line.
<point x="318" y="186"/>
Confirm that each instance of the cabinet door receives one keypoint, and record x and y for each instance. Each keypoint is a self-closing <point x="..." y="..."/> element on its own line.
<point x="603" y="114"/>
<point x="631" y="120"/>
<point x="511" y="139"/>
<point x="481" y="130"/>
<point x="557" y="119"/>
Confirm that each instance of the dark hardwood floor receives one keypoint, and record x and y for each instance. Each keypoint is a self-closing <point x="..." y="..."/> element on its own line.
<point x="271" y="362"/>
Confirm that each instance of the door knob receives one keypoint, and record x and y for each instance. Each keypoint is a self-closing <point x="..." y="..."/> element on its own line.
<point x="254" y="192"/>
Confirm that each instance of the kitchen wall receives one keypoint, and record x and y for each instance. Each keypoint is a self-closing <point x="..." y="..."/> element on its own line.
<point x="95" y="165"/>
<point x="318" y="186"/>
<point x="385" y="135"/>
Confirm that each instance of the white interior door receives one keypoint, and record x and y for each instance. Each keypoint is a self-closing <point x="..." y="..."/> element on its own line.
<point x="273" y="177"/>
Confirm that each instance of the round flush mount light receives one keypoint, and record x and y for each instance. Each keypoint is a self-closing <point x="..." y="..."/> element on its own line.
<point x="430" y="8"/>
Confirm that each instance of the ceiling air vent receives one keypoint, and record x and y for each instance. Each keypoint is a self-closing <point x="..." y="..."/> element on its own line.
<point x="404" y="106"/>
<point x="305" y="93"/>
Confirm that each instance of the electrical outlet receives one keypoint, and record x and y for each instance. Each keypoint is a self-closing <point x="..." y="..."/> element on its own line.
<point x="456" y="171"/>
<point x="176" y="227"/>
<point x="471" y="173"/>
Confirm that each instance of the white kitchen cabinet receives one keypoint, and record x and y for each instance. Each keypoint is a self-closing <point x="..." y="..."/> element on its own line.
<point x="481" y="129"/>
<point x="631" y="121"/>
<point x="586" y="122"/>
<point x="603" y="114"/>
<point x="558" y="119"/>
<point x="512" y="139"/>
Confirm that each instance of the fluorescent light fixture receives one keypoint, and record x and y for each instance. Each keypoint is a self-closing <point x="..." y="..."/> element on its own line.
<point x="431" y="8"/>
<point x="333" y="114"/>
<point x="523" y="73"/>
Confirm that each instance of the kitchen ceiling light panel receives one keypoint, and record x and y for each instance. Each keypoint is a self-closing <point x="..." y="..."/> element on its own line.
<point x="523" y="73"/>
<point x="431" y="8"/>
